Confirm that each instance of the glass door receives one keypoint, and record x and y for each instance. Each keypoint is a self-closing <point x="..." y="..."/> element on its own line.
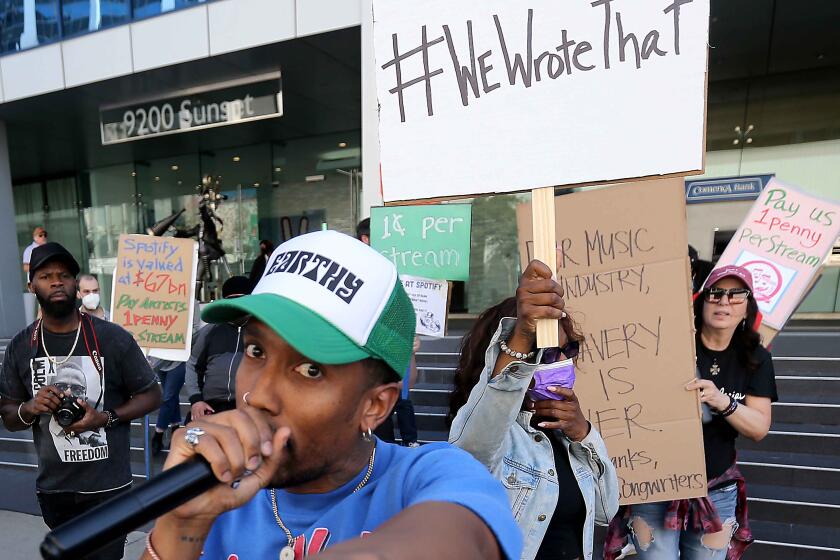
<point x="110" y="208"/>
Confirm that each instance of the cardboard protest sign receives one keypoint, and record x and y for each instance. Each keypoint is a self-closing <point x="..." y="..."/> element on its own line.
<point x="622" y="261"/>
<point x="430" y="241"/>
<point x="154" y="287"/>
<point x="783" y="242"/>
<point x="430" y="299"/>
<point x="489" y="96"/>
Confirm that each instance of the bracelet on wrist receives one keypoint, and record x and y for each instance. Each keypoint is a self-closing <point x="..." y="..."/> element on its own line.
<point x="733" y="405"/>
<point x="514" y="354"/>
<point x="113" y="418"/>
<point x="20" y="416"/>
<point x="149" y="548"/>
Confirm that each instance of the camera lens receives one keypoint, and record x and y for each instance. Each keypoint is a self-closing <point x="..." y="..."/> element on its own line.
<point x="64" y="417"/>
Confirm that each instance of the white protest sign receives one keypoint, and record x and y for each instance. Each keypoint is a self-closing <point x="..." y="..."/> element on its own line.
<point x="429" y="298"/>
<point x="491" y="96"/>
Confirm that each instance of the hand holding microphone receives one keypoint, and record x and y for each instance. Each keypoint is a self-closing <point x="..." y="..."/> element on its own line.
<point x="197" y="485"/>
<point x="232" y="442"/>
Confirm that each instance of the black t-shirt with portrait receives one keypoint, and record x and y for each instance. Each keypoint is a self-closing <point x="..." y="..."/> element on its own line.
<point x="93" y="461"/>
<point x="733" y="379"/>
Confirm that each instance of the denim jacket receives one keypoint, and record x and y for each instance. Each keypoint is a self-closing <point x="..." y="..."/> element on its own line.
<point x="495" y="431"/>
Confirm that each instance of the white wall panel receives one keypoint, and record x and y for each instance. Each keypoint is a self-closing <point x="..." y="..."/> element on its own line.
<point x="32" y="72"/>
<point x="318" y="16"/>
<point x="243" y="24"/>
<point x="98" y="56"/>
<point x="170" y="39"/>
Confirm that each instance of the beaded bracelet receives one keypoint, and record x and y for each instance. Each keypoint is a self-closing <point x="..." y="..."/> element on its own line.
<point x="149" y="548"/>
<point x="514" y="354"/>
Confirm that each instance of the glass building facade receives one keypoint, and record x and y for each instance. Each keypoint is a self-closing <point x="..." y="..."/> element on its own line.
<point x="274" y="191"/>
<point x="25" y="24"/>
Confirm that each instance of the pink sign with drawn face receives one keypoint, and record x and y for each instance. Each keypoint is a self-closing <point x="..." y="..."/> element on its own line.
<point x="783" y="242"/>
<point x="767" y="280"/>
<point x="770" y="280"/>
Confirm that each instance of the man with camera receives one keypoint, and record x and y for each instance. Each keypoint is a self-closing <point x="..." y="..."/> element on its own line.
<point x="78" y="382"/>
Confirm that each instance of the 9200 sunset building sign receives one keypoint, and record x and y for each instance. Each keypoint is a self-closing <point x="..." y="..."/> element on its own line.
<point x="234" y="102"/>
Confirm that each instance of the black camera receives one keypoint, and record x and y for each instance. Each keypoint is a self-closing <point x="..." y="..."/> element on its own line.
<point x="69" y="411"/>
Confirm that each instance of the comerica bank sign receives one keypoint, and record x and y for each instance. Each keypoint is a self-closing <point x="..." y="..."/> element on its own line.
<point x="221" y="104"/>
<point x="725" y="189"/>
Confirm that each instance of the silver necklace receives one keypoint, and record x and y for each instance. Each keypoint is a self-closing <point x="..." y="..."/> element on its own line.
<point x="288" y="551"/>
<point x="55" y="362"/>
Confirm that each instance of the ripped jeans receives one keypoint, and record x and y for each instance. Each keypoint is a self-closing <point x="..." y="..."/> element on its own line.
<point x="646" y="527"/>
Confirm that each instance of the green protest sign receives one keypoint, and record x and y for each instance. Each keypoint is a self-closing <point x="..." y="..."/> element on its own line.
<point x="432" y="241"/>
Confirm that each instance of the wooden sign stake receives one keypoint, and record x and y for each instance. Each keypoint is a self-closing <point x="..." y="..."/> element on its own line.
<point x="545" y="250"/>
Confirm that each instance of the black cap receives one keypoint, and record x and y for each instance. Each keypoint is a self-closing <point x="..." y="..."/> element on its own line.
<point x="42" y="254"/>
<point x="236" y="286"/>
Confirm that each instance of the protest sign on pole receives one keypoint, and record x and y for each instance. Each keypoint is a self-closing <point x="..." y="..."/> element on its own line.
<point x="490" y="96"/>
<point x="623" y="264"/>
<point x="430" y="299"/>
<point x="154" y="287"/>
<point x="783" y="242"/>
<point x="430" y="241"/>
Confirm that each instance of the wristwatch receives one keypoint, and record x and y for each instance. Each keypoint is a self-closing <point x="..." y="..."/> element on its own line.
<point x="113" y="418"/>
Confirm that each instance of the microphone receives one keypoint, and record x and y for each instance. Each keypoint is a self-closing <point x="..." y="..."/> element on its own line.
<point x="122" y="514"/>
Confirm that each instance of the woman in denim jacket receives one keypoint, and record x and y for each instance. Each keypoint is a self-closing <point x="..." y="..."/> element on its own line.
<point x="538" y="450"/>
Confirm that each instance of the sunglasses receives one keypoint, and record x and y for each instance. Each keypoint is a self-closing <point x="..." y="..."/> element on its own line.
<point x="571" y="349"/>
<point x="42" y="234"/>
<point x="734" y="295"/>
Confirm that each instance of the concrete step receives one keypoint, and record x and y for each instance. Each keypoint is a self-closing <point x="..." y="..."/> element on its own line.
<point x="431" y="394"/>
<point x="435" y="375"/>
<point x="796" y="342"/>
<point x="797" y="438"/>
<point x="449" y="343"/>
<point x="799" y="506"/>
<point x="806" y="413"/>
<point x="808" y="366"/>
<point x="431" y="418"/>
<point x="807" y="386"/>
<point x="445" y="359"/>
<point x="795" y="470"/>
<point x="789" y="541"/>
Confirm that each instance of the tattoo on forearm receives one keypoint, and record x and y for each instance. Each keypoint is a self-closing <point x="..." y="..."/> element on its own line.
<point x="191" y="539"/>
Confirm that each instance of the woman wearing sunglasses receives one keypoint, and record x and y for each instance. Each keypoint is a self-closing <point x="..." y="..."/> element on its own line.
<point x="737" y="384"/>
<point x="514" y="410"/>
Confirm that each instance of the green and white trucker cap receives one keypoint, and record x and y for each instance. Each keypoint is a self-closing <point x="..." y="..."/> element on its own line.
<point x="333" y="299"/>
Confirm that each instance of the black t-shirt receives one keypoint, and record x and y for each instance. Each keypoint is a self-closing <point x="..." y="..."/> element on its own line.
<point x="564" y="534"/>
<point x="93" y="461"/>
<point x="734" y="380"/>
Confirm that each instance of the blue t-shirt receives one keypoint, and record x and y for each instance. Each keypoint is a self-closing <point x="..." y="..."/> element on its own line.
<point x="402" y="477"/>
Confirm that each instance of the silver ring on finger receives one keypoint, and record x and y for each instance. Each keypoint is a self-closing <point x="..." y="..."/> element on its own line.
<point x="193" y="435"/>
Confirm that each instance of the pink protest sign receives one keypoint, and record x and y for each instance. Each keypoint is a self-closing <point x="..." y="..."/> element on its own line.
<point x="783" y="243"/>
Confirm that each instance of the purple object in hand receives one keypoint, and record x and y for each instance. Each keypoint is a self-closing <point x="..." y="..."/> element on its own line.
<point x="558" y="374"/>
